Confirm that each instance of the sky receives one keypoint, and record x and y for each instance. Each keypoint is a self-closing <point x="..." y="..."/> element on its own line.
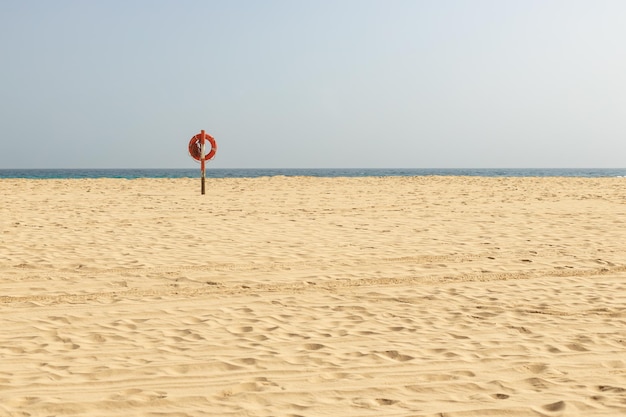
<point x="313" y="83"/>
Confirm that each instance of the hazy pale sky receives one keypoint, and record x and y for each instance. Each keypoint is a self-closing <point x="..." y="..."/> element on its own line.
<point x="313" y="84"/>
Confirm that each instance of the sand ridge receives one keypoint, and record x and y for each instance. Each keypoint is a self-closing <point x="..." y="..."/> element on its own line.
<point x="398" y="296"/>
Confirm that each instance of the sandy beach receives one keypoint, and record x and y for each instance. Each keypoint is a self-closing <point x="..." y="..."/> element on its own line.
<point x="299" y="296"/>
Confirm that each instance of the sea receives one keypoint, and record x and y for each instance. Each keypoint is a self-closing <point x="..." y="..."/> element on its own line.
<point x="310" y="172"/>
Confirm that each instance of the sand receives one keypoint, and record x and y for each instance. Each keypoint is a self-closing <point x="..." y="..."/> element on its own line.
<point x="296" y="296"/>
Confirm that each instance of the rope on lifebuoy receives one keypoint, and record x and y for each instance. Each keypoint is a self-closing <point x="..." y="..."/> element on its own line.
<point x="195" y="145"/>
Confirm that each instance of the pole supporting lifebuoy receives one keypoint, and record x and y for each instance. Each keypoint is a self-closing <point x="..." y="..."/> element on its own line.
<point x="197" y="150"/>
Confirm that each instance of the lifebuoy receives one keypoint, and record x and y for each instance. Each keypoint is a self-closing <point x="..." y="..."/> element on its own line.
<point x="194" y="147"/>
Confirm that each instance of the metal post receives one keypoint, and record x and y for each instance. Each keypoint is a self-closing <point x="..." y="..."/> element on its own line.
<point x="202" y="154"/>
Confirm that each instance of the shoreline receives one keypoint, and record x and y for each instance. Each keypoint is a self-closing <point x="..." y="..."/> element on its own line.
<point x="313" y="172"/>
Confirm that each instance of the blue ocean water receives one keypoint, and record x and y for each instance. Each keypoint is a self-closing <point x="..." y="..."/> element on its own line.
<point x="327" y="172"/>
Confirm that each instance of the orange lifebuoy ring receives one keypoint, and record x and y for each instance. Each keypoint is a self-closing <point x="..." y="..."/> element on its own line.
<point x="194" y="147"/>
